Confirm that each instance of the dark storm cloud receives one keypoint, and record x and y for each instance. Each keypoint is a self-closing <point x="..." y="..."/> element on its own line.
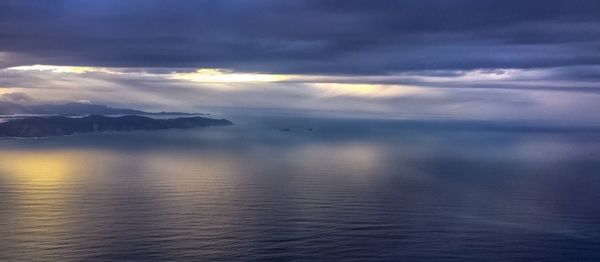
<point x="320" y="36"/>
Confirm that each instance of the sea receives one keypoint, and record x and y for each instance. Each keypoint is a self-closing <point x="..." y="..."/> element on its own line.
<point x="292" y="188"/>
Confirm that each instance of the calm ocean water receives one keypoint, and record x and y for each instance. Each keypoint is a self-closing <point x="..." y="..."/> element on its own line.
<point x="349" y="190"/>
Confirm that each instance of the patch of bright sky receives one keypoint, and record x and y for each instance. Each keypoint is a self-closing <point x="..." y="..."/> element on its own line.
<point x="223" y="76"/>
<point x="64" y="69"/>
<point x="370" y="90"/>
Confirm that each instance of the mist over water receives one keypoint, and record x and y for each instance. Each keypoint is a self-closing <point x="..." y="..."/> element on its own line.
<point x="346" y="190"/>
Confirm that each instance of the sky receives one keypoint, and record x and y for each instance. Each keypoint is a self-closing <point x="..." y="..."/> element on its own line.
<point x="465" y="59"/>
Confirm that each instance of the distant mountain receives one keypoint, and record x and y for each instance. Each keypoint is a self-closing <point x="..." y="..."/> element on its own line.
<point x="71" y="109"/>
<point x="60" y="125"/>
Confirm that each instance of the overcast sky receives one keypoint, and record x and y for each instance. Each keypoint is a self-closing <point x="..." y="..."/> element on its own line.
<point x="484" y="59"/>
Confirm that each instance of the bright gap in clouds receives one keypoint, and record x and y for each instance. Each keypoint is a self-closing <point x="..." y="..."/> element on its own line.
<point x="324" y="86"/>
<point x="64" y="69"/>
<point x="224" y="76"/>
<point x="216" y="75"/>
<point x="207" y="75"/>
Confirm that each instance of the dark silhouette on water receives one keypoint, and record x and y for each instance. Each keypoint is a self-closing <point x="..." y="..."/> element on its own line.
<point x="61" y="125"/>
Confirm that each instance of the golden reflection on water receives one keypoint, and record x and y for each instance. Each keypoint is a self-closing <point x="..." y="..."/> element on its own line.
<point x="38" y="168"/>
<point x="52" y="167"/>
<point x="43" y="187"/>
<point x="38" y="203"/>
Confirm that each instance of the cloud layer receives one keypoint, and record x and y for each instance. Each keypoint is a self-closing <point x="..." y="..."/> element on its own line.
<point x="460" y="58"/>
<point x="466" y="95"/>
<point x="307" y="36"/>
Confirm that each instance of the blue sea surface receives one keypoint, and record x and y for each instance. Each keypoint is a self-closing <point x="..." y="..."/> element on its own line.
<point x="326" y="190"/>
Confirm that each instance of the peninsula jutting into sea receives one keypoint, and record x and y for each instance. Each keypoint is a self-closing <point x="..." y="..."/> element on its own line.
<point x="42" y="120"/>
<point x="43" y="126"/>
